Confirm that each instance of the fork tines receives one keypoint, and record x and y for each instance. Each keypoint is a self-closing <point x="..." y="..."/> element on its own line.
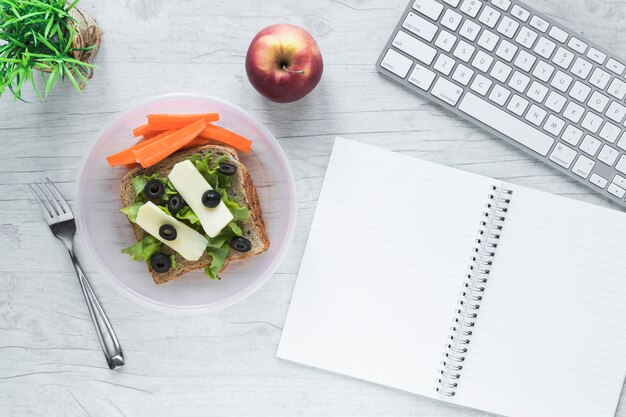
<point x="53" y="205"/>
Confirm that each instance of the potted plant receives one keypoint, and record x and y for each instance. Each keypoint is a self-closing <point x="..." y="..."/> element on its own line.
<point x="48" y="37"/>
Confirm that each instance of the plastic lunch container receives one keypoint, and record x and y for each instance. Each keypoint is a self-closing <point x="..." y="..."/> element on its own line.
<point x="105" y="230"/>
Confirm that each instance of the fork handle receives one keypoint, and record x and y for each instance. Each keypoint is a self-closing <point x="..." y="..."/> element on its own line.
<point x="108" y="340"/>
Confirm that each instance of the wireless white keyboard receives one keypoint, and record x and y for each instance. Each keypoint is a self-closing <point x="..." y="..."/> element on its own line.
<point x="521" y="76"/>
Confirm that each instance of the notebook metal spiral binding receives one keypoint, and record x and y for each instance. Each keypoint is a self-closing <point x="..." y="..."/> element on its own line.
<point x="471" y="296"/>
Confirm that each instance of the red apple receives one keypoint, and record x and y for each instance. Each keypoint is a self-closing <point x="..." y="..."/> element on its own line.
<point x="284" y="63"/>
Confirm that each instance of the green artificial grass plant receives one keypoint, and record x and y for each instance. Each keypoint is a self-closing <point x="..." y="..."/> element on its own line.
<point x="49" y="37"/>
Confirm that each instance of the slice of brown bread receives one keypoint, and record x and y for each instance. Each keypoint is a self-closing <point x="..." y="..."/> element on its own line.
<point x="242" y="190"/>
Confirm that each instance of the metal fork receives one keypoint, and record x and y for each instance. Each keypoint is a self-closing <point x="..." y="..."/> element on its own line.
<point x="60" y="218"/>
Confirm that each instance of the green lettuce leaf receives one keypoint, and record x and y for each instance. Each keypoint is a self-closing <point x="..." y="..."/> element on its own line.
<point x="189" y="216"/>
<point x="235" y="228"/>
<point x="140" y="181"/>
<point x="143" y="250"/>
<point x="240" y="213"/>
<point x="131" y="211"/>
<point x="218" y="257"/>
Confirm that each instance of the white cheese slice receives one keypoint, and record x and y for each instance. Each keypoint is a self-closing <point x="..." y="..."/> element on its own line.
<point x="188" y="243"/>
<point x="190" y="183"/>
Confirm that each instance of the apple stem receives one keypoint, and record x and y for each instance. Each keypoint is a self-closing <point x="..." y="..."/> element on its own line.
<point x="292" y="71"/>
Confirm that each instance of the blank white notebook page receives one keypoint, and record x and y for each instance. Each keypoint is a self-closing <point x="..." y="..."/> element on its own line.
<point x="550" y="336"/>
<point x="383" y="268"/>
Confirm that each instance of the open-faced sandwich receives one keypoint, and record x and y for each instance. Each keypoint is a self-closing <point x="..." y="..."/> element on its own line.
<point x="194" y="206"/>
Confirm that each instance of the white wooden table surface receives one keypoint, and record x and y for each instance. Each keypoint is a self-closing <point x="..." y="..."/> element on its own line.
<point x="220" y="364"/>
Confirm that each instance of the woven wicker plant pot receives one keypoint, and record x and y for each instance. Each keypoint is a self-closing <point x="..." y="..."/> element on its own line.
<point x="88" y="34"/>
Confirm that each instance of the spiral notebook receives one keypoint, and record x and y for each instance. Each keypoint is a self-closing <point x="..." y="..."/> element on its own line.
<point x="461" y="288"/>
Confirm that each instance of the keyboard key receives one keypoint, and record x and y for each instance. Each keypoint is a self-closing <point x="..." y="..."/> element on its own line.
<point x="453" y="3"/>
<point x="471" y="7"/>
<point x="489" y="17"/>
<point x="614" y="66"/>
<point x="482" y="61"/>
<point x="519" y="82"/>
<point x="499" y="94"/>
<point x="563" y="155"/>
<point x="592" y="122"/>
<point x="572" y="135"/>
<point x="506" y="50"/>
<point x="543" y="71"/>
<point x="422" y="77"/>
<point x="447" y="91"/>
<point x="619" y="180"/>
<point x="573" y="112"/>
<point x="616" y="190"/>
<point x="590" y="145"/>
<point x="525" y="61"/>
<point x="444" y="64"/>
<point x="445" y="40"/>
<point x="561" y="81"/>
<point x="536" y="115"/>
<point x="430" y="8"/>
<point x="420" y="26"/>
<point x="451" y="20"/>
<point x="501" y="71"/>
<point x="481" y="84"/>
<point x="617" y="89"/>
<point x="608" y="155"/>
<point x="616" y="112"/>
<point x="502" y="4"/>
<point x="554" y="125"/>
<point x="508" y="27"/>
<point x="537" y="92"/>
<point x="600" y="78"/>
<point x="464" y="51"/>
<point x="621" y="165"/>
<point x="610" y="132"/>
<point x="598" y="102"/>
<point x="469" y="30"/>
<point x="539" y="24"/>
<point x="622" y="142"/>
<point x="581" y="68"/>
<point x="558" y="34"/>
<point x="520" y="13"/>
<point x="506" y="124"/>
<point x="396" y="63"/>
<point x="555" y="102"/>
<point x="517" y="104"/>
<point x="416" y="48"/>
<point x="583" y="166"/>
<point x="545" y="47"/>
<point x="462" y="74"/>
<point x="580" y="91"/>
<point x="563" y="58"/>
<point x="596" y="56"/>
<point x="577" y="45"/>
<point x="526" y="37"/>
<point x="596" y="179"/>
<point x="488" y="40"/>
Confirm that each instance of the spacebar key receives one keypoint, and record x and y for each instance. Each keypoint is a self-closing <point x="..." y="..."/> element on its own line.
<point x="506" y="124"/>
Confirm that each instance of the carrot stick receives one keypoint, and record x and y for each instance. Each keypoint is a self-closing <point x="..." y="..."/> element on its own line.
<point x="158" y="150"/>
<point x="151" y="133"/>
<point x="226" y="137"/>
<point x="141" y="130"/>
<point x="127" y="157"/>
<point x="178" y="121"/>
<point x="198" y="142"/>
